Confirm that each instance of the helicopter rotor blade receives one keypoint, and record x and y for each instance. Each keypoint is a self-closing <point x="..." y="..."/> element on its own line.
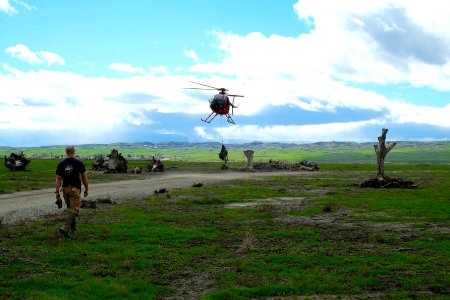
<point x="198" y="89"/>
<point x="219" y="89"/>
<point x="205" y="85"/>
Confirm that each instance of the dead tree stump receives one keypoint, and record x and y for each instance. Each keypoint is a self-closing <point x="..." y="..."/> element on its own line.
<point x="116" y="162"/>
<point x="249" y="154"/>
<point x="381" y="150"/>
<point x="155" y="165"/>
<point x="17" y="162"/>
<point x="382" y="181"/>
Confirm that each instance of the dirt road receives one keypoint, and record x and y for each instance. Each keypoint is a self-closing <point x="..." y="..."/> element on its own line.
<point x="32" y="204"/>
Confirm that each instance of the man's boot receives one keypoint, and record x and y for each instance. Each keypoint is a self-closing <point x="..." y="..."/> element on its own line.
<point x="73" y="224"/>
<point x="64" y="230"/>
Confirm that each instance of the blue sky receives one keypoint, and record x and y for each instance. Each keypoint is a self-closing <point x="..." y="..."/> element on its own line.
<point x="75" y="72"/>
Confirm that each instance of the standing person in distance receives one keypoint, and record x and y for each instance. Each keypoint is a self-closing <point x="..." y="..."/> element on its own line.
<point x="68" y="173"/>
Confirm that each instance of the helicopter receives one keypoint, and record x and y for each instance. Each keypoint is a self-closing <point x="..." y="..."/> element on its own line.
<point x="219" y="103"/>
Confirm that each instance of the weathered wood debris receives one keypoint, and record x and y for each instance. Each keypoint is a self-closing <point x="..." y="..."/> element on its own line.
<point x="99" y="164"/>
<point x="155" y="165"/>
<point x="388" y="183"/>
<point x="17" y="162"/>
<point x="280" y="165"/>
<point x="115" y="163"/>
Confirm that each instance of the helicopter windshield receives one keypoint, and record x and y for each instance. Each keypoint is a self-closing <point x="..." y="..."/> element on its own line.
<point x="219" y="101"/>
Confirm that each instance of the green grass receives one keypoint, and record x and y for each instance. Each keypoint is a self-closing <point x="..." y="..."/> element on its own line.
<point x="404" y="152"/>
<point x="40" y="174"/>
<point x="391" y="244"/>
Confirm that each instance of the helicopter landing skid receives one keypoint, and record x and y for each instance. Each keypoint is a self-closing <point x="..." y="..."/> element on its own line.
<point x="230" y="119"/>
<point x="209" y="119"/>
<point x="213" y="115"/>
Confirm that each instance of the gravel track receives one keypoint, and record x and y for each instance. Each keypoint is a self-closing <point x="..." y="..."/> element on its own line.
<point x="30" y="205"/>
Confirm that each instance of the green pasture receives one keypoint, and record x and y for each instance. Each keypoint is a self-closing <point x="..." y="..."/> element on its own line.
<point x="315" y="235"/>
<point x="404" y="152"/>
<point x="40" y="173"/>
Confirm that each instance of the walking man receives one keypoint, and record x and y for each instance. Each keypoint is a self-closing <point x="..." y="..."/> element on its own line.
<point x="68" y="172"/>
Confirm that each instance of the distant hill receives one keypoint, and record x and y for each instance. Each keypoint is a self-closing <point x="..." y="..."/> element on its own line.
<point x="404" y="151"/>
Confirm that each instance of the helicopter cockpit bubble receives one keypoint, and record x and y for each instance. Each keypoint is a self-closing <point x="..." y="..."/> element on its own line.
<point x="218" y="101"/>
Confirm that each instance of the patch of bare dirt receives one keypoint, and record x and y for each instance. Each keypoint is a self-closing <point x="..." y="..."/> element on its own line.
<point x="341" y="226"/>
<point x="194" y="285"/>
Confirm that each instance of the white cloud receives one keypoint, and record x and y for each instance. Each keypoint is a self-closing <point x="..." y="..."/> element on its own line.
<point x="207" y="136"/>
<point x="51" y="58"/>
<point x="127" y="68"/>
<point x="39" y="99"/>
<point x="350" y="131"/>
<point x="49" y="99"/>
<point x="404" y="113"/>
<point x="385" y="42"/>
<point x="160" y="70"/>
<point x="192" y="54"/>
<point x="6" y="7"/>
<point x="22" y="52"/>
<point x="25" y="5"/>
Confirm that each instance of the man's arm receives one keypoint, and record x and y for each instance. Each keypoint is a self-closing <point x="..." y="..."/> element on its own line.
<point x="58" y="184"/>
<point x="84" y="178"/>
<point x="57" y="195"/>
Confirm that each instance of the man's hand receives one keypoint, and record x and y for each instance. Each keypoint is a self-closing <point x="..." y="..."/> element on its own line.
<point x="85" y="193"/>
<point x="58" y="200"/>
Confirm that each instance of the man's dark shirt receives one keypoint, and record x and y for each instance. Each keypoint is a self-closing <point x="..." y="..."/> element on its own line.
<point x="70" y="169"/>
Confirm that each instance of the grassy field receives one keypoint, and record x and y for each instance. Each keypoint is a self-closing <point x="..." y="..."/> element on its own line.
<point x="40" y="174"/>
<point x="312" y="234"/>
<point x="404" y="152"/>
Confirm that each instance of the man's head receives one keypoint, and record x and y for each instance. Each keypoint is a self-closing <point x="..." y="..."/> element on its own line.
<point x="70" y="151"/>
